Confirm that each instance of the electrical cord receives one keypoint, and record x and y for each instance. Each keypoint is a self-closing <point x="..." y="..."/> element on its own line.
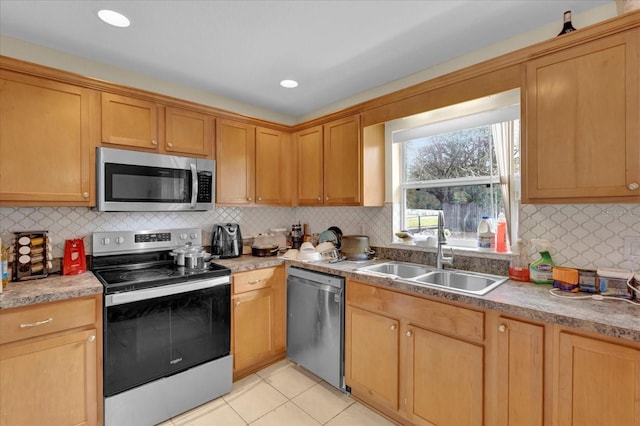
<point x="599" y="296"/>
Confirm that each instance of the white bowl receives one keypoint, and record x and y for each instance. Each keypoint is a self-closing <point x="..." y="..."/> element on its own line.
<point x="307" y="247"/>
<point x="309" y="256"/>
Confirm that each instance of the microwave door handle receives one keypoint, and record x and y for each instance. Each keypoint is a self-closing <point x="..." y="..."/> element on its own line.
<point x="194" y="185"/>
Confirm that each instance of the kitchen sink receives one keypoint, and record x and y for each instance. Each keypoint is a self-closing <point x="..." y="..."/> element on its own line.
<point x="396" y="269"/>
<point x="462" y="281"/>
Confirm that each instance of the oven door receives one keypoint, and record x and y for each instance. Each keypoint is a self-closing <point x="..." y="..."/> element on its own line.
<point x="158" y="332"/>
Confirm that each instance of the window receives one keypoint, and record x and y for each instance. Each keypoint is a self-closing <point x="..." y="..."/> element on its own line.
<point x="454" y="165"/>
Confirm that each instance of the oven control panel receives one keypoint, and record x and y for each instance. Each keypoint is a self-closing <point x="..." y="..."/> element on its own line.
<point x="120" y="242"/>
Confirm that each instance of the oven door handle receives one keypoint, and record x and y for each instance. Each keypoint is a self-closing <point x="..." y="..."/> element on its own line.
<point x="167" y="290"/>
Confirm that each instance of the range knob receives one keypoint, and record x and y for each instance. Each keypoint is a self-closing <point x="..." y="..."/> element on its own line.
<point x="183" y="236"/>
<point x="105" y="241"/>
<point x="194" y="236"/>
<point x="119" y="240"/>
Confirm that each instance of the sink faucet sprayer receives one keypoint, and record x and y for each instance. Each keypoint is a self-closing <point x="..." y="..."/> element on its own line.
<point x="441" y="259"/>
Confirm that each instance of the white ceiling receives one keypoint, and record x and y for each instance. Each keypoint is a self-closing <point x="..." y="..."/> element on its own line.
<point x="242" y="49"/>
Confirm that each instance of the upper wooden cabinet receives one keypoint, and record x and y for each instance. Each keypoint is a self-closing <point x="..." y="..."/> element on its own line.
<point x="582" y="126"/>
<point x="253" y="165"/>
<point x="188" y="132"/>
<point x="47" y="142"/>
<point x="235" y="162"/>
<point x="136" y="123"/>
<point x="332" y="160"/>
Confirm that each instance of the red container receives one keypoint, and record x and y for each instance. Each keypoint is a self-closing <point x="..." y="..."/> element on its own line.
<point x="74" y="261"/>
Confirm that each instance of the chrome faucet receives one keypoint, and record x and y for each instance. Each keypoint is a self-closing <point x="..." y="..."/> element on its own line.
<point x="441" y="259"/>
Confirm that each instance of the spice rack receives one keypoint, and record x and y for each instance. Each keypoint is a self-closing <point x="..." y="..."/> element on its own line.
<point x="31" y="255"/>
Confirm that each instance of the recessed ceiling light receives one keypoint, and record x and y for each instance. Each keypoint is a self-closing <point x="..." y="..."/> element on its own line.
<point x="289" y="84"/>
<point x="114" y="18"/>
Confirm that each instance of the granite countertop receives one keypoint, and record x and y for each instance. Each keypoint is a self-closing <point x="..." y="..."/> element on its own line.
<point x="613" y="318"/>
<point x="49" y="289"/>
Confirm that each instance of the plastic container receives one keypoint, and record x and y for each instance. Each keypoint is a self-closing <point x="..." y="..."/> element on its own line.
<point x="541" y="271"/>
<point x="501" y="234"/>
<point x="519" y="264"/>
<point x="4" y="267"/>
<point x="565" y="279"/>
<point x="486" y="236"/>
<point x="613" y="282"/>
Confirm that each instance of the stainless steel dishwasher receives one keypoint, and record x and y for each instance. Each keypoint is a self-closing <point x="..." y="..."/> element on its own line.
<point x="315" y="323"/>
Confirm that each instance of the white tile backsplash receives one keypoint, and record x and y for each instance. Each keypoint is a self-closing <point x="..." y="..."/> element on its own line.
<point x="582" y="236"/>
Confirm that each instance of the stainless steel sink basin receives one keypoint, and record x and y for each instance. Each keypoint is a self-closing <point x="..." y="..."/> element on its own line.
<point x="396" y="269"/>
<point x="461" y="281"/>
<point x="474" y="283"/>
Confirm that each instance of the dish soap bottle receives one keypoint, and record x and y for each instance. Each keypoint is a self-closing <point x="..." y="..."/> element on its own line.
<point x="501" y="234"/>
<point x="486" y="237"/>
<point x="519" y="265"/>
<point x="541" y="271"/>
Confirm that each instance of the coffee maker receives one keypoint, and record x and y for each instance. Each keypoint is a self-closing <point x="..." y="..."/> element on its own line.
<point x="226" y="242"/>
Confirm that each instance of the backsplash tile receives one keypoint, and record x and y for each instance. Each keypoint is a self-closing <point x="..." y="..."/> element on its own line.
<point x="582" y="236"/>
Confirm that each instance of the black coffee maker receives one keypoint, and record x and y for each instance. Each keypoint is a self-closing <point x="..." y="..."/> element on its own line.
<point x="226" y="241"/>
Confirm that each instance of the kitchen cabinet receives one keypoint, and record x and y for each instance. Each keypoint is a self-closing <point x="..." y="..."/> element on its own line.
<point x="50" y="358"/>
<point x="598" y="382"/>
<point x="330" y="163"/>
<point x="258" y="312"/>
<point x="519" y="372"/>
<point x="253" y="165"/>
<point x="136" y="123"/>
<point x="235" y="162"/>
<point x="582" y="106"/>
<point x="47" y="142"/>
<point x="414" y="359"/>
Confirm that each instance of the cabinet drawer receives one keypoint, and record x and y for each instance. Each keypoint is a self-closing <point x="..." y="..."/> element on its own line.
<point x="252" y="280"/>
<point x="449" y="319"/>
<point x="46" y="318"/>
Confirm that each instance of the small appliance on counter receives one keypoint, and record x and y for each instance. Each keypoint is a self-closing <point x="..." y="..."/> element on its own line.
<point x="74" y="261"/>
<point x="226" y="242"/>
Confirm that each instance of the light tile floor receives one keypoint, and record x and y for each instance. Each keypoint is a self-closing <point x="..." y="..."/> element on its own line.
<point x="283" y="394"/>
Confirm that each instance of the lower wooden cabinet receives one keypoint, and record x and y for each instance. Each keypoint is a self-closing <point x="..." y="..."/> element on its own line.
<point x="416" y="360"/>
<point x="258" y="310"/>
<point x="598" y="382"/>
<point x="519" y="372"/>
<point x="52" y="374"/>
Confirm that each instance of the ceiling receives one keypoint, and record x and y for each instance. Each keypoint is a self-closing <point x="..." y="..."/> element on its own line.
<point x="243" y="49"/>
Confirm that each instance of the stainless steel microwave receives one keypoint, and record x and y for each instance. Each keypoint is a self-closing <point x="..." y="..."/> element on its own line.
<point x="144" y="182"/>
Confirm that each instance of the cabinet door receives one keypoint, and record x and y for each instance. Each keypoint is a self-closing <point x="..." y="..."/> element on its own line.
<point x="253" y="327"/>
<point x="372" y="356"/>
<point x="35" y="393"/>
<point x="590" y="394"/>
<point x="445" y="379"/>
<point x="189" y="132"/>
<point x="235" y="162"/>
<point x="582" y="109"/>
<point x="342" y="162"/>
<point x="129" y="122"/>
<point x="272" y="165"/>
<point x="46" y="142"/>
<point x="520" y="373"/>
<point x="310" y="172"/>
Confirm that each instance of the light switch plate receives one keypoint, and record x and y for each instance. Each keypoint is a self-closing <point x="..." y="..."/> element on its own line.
<point x="632" y="248"/>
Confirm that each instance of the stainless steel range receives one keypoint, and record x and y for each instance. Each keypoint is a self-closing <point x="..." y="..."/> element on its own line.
<point x="167" y="329"/>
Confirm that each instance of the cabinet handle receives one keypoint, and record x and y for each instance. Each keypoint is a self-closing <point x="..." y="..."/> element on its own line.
<point x="37" y="323"/>
<point x="327" y="198"/>
<point x="409" y="333"/>
<point x="85" y="195"/>
<point x="154" y="142"/>
<point x="319" y="198"/>
<point x="237" y="303"/>
<point x="259" y="198"/>
<point x="255" y="282"/>
<point x="502" y="328"/>
<point x="169" y="144"/>
<point x="633" y="186"/>
<point x="91" y="338"/>
<point x="393" y="327"/>
<point x="248" y="198"/>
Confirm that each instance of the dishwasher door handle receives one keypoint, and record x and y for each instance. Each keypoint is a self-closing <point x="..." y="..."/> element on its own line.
<point x="322" y="287"/>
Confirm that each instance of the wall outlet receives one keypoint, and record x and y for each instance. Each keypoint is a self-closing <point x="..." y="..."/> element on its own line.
<point x="632" y="248"/>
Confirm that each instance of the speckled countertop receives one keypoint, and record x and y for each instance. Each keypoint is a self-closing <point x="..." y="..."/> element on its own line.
<point x="49" y="289"/>
<point x="609" y="317"/>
